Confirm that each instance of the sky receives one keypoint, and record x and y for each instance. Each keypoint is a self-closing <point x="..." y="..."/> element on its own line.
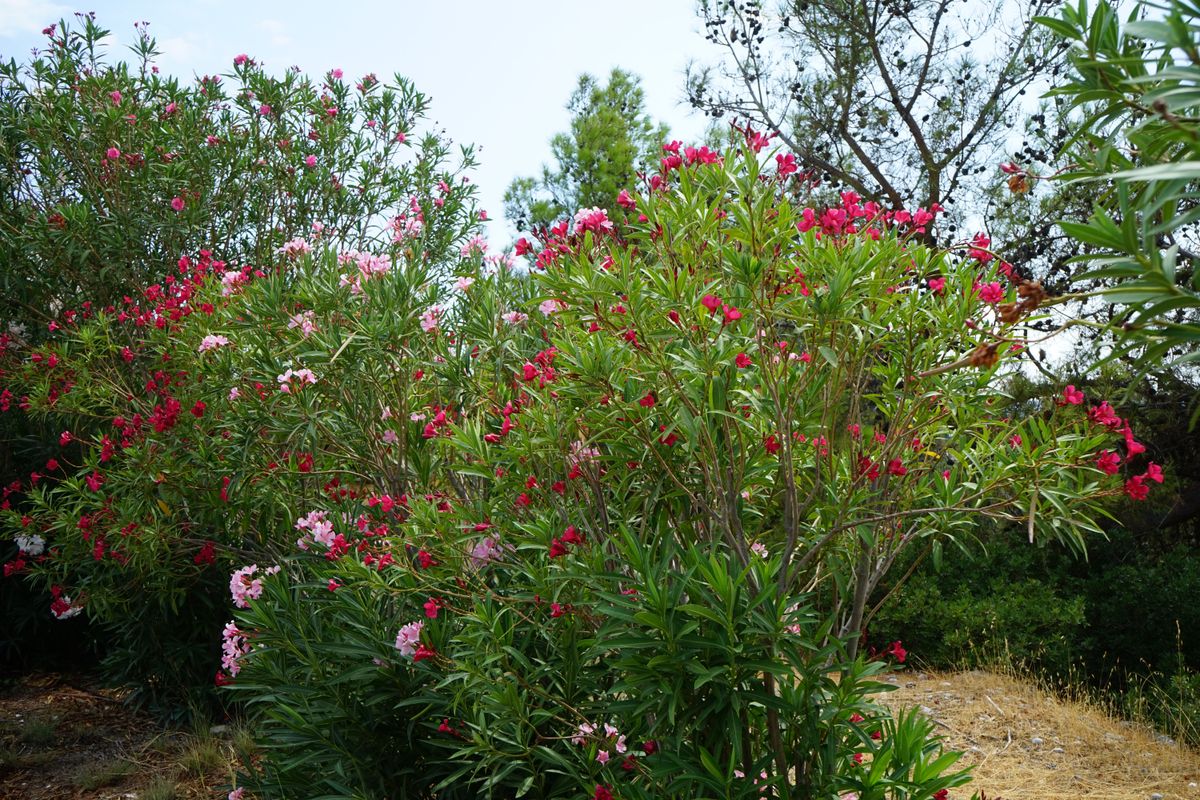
<point x="499" y="73"/>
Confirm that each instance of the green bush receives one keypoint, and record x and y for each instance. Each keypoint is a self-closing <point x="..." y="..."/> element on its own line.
<point x="649" y="481"/>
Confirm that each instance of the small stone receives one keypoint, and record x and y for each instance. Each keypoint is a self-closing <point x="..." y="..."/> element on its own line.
<point x="1162" y="738"/>
<point x="1192" y="785"/>
<point x="1058" y="750"/>
<point x="1036" y="741"/>
<point x="1156" y="796"/>
<point x="218" y="730"/>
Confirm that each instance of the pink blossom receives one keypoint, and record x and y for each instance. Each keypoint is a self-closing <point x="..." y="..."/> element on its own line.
<point x="477" y="244"/>
<point x="462" y="284"/>
<point x="318" y="527"/>
<point x="113" y="154"/>
<point x="295" y="380"/>
<point x="238" y="60"/>
<point x="264" y="109"/>
<point x="233" y="647"/>
<point x="212" y="342"/>
<point x="304" y="320"/>
<point x="1072" y="395"/>
<point x="429" y="320"/>
<point x="485" y="551"/>
<point x="235" y="393"/>
<point x="408" y="638"/>
<point x="177" y="203"/>
<point x="937" y="285"/>
<point x="243" y="588"/>
<point x="593" y="219"/>
<point x="759" y="549"/>
<point x="294" y="248"/>
<point x="551" y="306"/>
<point x="390" y="437"/>
<point x="514" y="317"/>
<point x="237" y="794"/>
<point x="585" y="730"/>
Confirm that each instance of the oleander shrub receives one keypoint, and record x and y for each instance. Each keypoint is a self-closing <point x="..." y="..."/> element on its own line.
<point x="603" y="521"/>
<point x="109" y="170"/>
<point x="137" y="480"/>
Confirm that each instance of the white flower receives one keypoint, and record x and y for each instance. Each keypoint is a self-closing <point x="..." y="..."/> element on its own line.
<point x="31" y="545"/>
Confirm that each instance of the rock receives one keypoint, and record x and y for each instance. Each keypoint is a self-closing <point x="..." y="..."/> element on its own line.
<point x="1162" y="738"/>
<point x="1192" y="785"/>
<point x="1156" y="796"/>
<point x="1036" y="741"/>
<point x="1058" y="750"/>
<point x="218" y="730"/>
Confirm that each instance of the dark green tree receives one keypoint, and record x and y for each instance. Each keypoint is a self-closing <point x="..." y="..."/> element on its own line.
<point x="611" y="139"/>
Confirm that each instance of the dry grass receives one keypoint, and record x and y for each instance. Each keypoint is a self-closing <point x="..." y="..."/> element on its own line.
<point x="1026" y="744"/>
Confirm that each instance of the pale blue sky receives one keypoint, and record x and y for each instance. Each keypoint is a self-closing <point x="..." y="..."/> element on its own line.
<point x="498" y="73"/>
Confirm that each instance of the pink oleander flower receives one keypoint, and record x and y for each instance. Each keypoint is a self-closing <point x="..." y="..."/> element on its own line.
<point x="233" y="647"/>
<point x="390" y="437"/>
<point x="177" y="203"/>
<point x="430" y="319"/>
<point x="477" y="244"/>
<point x="408" y="639"/>
<point x="462" y="284"/>
<point x="585" y="730"/>
<point x="212" y="342"/>
<point x="243" y="588"/>
<point x="304" y="320"/>
<point x="551" y="306"/>
<point x="113" y="154"/>
<point x="237" y="794"/>
<point x="293" y="381"/>
<point x="294" y="248"/>
<point x="514" y="317"/>
<point x="231" y="282"/>
<point x="310" y="161"/>
<point x="1072" y="395"/>
<point x="593" y="219"/>
<point x="759" y="549"/>
<point x="485" y="551"/>
<point x="235" y="393"/>
<point x="318" y="528"/>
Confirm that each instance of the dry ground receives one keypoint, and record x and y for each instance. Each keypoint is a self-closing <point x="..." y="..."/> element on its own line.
<point x="1026" y="744"/>
<point x="62" y="738"/>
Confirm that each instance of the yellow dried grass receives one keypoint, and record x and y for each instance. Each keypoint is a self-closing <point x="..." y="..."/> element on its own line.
<point x="1084" y="752"/>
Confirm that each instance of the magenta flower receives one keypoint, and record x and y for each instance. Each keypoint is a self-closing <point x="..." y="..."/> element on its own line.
<point x="177" y="203"/>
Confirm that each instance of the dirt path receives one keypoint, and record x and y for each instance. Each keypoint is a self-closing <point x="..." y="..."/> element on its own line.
<point x="1028" y="745"/>
<point x="62" y="738"/>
